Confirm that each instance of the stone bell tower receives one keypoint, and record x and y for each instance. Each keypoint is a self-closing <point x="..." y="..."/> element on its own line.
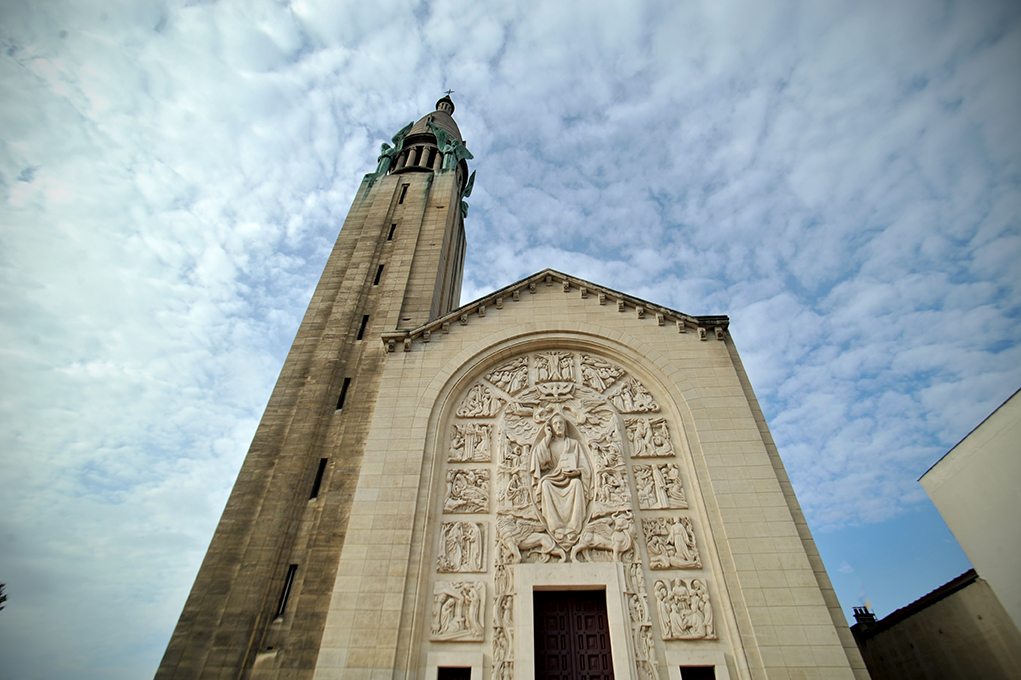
<point x="259" y="603"/>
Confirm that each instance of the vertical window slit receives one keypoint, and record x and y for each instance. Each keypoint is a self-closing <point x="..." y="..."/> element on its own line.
<point x="390" y="236"/>
<point x="319" y="478"/>
<point x="343" y="393"/>
<point x="404" y="192"/>
<point x="361" y="331"/>
<point x="286" y="593"/>
<point x="379" y="273"/>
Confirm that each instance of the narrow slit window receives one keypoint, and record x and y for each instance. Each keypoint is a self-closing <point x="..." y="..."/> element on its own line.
<point x="390" y="236"/>
<point x="404" y="192"/>
<point x="286" y="593"/>
<point x="361" y="329"/>
<point x="319" y="478"/>
<point x="379" y="273"/>
<point x="698" y="673"/>
<point x="343" y="393"/>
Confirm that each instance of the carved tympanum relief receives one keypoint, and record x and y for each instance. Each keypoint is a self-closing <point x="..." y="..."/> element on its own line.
<point x="462" y="547"/>
<point x="685" y="612"/>
<point x="562" y="429"/>
<point x="659" y="486"/>
<point x="467" y="491"/>
<point x="471" y="442"/>
<point x="458" y="610"/>
<point x="671" y="543"/>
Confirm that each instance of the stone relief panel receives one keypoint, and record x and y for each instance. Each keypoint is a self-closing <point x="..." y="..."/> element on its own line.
<point x="458" y="610"/>
<point x="598" y="373"/>
<point x="641" y="623"/>
<point x="510" y="377"/>
<point x="467" y="491"/>
<point x="632" y="397"/>
<point x="480" y="402"/>
<point x="685" y="612"/>
<point x="462" y="547"/>
<point x="503" y="624"/>
<point x="569" y="436"/>
<point x="471" y="443"/>
<point x="671" y="543"/>
<point x="649" y="438"/>
<point x="554" y="367"/>
<point x="659" y="486"/>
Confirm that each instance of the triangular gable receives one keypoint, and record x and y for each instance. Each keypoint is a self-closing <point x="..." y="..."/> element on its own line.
<point x="704" y="325"/>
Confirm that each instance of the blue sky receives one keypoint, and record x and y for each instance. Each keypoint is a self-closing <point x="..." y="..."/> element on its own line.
<point x="842" y="178"/>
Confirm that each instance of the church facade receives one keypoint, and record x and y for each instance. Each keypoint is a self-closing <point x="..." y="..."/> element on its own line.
<point x="557" y="480"/>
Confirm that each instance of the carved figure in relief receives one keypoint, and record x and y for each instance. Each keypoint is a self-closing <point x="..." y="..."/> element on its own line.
<point x="632" y="397"/>
<point x="661" y="438"/>
<point x="684" y="609"/>
<point x="598" y="373"/>
<point x="659" y="487"/>
<point x="510" y="377"/>
<point x="462" y="547"/>
<point x="479" y="403"/>
<point x="563" y="479"/>
<point x="467" y="491"/>
<point x="554" y="367"/>
<point x="517" y="534"/>
<point x="649" y="438"/>
<point x="671" y="543"/>
<point x="471" y="443"/>
<point x="640" y="435"/>
<point x="457" y="611"/>
<point x="615" y="534"/>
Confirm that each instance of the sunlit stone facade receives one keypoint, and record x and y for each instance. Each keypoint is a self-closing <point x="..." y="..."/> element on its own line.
<point x="490" y="462"/>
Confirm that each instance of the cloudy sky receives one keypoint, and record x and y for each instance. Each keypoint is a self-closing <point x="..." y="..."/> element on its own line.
<point x="843" y="178"/>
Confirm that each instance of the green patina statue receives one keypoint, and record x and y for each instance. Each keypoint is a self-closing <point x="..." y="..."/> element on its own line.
<point x="465" y="193"/>
<point x="387" y="153"/>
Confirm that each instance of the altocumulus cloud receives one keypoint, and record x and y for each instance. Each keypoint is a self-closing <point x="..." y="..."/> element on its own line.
<point x="841" y="178"/>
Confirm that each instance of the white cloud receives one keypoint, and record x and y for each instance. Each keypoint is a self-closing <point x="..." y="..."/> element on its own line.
<point x="841" y="178"/>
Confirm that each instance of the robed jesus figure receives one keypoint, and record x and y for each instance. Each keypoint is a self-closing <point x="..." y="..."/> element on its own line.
<point x="562" y="475"/>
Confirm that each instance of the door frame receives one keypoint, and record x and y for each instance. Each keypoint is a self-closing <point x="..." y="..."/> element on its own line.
<point x="608" y="576"/>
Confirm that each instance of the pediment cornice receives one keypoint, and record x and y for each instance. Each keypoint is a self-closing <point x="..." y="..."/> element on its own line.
<point x="705" y="326"/>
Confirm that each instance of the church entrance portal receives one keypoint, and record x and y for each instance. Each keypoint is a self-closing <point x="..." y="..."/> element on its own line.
<point x="572" y="636"/>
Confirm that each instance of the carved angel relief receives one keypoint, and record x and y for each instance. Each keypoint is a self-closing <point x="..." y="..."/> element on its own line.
<point x="467" y="491"/>
<point x="458" y="610"/>
<point x="649" y="438"/>
<point x="462" y="547"/>
<point x="671" y="542"/>
<point x="685" y="612"/>
<point x="659" y="486"/>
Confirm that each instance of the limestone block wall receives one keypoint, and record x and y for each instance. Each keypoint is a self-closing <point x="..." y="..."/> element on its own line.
<point x="679" y="507"/>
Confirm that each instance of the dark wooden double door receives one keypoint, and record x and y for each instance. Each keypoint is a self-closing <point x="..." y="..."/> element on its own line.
<point x="572" y="636"/>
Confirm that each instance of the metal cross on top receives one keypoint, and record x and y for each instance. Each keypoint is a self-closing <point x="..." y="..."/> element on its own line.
<point x="450" y="92"/>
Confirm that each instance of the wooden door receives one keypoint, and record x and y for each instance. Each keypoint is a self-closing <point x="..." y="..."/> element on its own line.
<point x="572" y="636"/>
